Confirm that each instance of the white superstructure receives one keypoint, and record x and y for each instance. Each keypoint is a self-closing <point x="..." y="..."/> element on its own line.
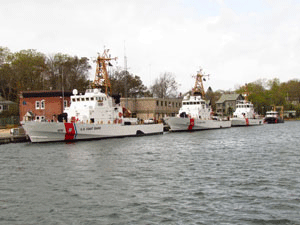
<point x="245" y="115"/>
<point x="93" y="107"/>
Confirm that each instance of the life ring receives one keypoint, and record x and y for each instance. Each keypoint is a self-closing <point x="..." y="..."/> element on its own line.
<point x="120" y="114"/>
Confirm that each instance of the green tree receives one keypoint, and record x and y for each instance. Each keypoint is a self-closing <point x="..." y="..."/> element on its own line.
<point x="275" y="95"/>
<point x="7" y="77"/>
<point x="28" y="69"/>
<point x="291" y="90"/>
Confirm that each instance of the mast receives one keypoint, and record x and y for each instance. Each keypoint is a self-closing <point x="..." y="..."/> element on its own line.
<point x="101" y="77"/>
<point x="198" y="88"/>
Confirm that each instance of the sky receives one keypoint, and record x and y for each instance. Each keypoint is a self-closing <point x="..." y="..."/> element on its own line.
<point x="234" y="41"/>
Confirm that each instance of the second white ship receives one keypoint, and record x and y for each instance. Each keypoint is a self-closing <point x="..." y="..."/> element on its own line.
<point x="196" y="113"/>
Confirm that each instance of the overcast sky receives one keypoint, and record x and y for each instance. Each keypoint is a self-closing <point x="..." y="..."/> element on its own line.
<point x="235" y="41"/>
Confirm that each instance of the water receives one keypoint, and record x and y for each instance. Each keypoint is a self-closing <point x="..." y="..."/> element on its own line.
<point x="245" y="175"/>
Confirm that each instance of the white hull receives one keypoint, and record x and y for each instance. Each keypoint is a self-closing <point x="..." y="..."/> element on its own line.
<point x="187" y="124"/>
<point x="236" y="122"/>
<point x="53" y="132"/>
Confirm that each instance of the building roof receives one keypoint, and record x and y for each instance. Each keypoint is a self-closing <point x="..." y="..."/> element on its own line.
<point x="228" y="97"/>
<point x="4" y="101"/>
<point x="30" y="94"/>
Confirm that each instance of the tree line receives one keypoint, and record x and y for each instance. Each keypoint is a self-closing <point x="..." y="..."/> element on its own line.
<point x="33" y="70"/>
<point x="265" y="94"/>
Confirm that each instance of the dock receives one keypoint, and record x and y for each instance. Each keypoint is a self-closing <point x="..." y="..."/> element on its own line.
<point x="14" y="135"/>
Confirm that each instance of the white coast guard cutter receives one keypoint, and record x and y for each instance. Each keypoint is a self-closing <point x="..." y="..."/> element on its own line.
<point x="92" y="115"/>
<point x="195" y="113"/>
<point x="244" y="115"/>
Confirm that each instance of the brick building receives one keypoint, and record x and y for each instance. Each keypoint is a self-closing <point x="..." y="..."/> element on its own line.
<point x="152" y="108"/>
<point x="43" y="105"/>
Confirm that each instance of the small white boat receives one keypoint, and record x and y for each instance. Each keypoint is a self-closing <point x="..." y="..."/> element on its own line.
<point x="93" y="115"/>
<point x="196" y="113"/>
<point x="245" y="115"/>
<point x="273" y="117"/>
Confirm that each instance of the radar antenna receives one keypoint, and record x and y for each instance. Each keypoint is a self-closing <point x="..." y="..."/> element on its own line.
<point x="198" y="88"/>
<point x="101" y="77"/>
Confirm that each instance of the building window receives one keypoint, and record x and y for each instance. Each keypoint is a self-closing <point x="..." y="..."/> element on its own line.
<point x="43" y="104"/>
<point x="162" y="103"/>
<point x="37" y="105"/>
<point x="0" y="107"/>
<point x="157" y="103"/>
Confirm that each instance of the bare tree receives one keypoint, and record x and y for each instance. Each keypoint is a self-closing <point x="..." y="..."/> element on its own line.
<point x="165" y="86"/>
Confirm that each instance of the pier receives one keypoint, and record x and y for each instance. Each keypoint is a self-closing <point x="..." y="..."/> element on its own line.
<point x="14" y="135"/>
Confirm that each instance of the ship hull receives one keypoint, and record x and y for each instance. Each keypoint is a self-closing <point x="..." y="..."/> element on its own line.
<point x="187" y="124"/>
<point x="273" y="120"/>
<point x="239" y="122"/>
<point x="55" y="132"/>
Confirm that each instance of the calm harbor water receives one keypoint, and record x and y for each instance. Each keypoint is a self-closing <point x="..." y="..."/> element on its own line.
<point x="245" y="175"/>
